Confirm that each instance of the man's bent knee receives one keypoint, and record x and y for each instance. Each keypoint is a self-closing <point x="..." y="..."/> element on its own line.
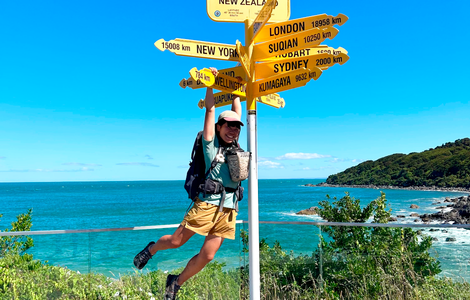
<point x="207" y="257"/>
<point x="175" y="242"/>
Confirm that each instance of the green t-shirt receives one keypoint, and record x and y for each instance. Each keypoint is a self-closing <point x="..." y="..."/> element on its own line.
<point x="220" y="173"/>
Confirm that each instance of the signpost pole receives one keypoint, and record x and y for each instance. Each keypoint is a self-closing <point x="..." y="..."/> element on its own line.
<point x="253" y="210"/>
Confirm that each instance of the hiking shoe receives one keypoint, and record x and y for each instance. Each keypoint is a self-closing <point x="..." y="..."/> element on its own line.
<point x="172" y="287"/>
<point x="141" y="259"/>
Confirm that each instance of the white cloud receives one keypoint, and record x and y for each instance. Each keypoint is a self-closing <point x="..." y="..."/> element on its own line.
<point x="301" y="156"/>
<point x="314" y="169"/>
<point x="270" y="165"/>
<point x="358" y="160"/>
<point x="137" y="164"/>
<point x="338" y="160"/>
<point x="148" y="157"/>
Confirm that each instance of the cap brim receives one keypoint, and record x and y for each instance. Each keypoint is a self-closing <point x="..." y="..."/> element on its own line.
<point x="234" y="120"/>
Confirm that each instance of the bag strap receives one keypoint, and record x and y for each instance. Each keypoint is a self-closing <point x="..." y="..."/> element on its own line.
<point x="213" y="165"/>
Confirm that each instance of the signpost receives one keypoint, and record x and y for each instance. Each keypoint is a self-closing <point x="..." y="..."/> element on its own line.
<point x="322" y="61"/>
<point x="308" y="51"/>
<point x="223" y="99"/>
<point x="286" y="81"/>
<point x="293" y="42"/>
<point x="198" y="49"/>
<point x="276" y="57"/>
<point x="220" y="82"/>
<point x="241" y="10"/>
<point x="275" y="30"/>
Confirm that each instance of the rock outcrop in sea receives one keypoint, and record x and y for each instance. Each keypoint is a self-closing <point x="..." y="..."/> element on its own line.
<point x="459" y="212"/>
<point x="309" y="211"/>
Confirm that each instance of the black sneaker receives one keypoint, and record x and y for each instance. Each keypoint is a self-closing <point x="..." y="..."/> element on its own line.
<point x="141" y="259"/>
<point x="172" y="287"/>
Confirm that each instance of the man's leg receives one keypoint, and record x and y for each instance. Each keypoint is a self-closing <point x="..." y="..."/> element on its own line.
<point x="211" y="244"/>
<point x="177" y="239"/>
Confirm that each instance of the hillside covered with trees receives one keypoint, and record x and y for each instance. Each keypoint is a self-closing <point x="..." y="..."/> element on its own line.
<point x="444" y="166"/>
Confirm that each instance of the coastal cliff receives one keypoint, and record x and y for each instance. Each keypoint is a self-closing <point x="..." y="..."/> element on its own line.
<point x="446" y="166"/>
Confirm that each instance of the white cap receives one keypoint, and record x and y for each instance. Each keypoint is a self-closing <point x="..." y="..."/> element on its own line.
<point x="230" y="116"/>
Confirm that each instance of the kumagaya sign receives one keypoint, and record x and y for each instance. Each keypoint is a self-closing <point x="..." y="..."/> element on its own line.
<point x="240" y="10"/>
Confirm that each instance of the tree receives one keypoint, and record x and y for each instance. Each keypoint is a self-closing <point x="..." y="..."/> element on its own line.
<point x="363" y="257"/>
<point x="17" y="244"/>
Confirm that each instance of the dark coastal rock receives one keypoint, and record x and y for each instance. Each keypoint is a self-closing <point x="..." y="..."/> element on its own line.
<point x="435" y="239"/>
<point x="450" y="239"/>
<point x="309" y="211"/>
<point x="392" y="219"/>
<point x="436" y="203"/>
<point x="401" y="216"/>
<point x="414" y="206"/>
<point x="440" y="207"/>
<point x="414" y="215"/>
<point x="433" y="229"/>
<point x="417" y="220"/>
<point x="444" y="231"/>
<point x="459" y="214"/>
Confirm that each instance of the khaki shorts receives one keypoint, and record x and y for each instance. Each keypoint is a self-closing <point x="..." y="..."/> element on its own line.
<point x="206" y="219"/>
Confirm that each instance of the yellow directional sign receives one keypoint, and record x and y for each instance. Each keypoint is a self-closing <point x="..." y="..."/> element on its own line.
<point x="322" y="61"/>
<point x="240" y="10"/>
<point x="229" y="84"/>
<point x="273" y="100"/>
<point x="199" y="49"/>
<point x="221" y="82"/>
<point x="223" y="99"/>
<point x="191" y="83"/>
<point x="263" y="16"/>
<point x="277" y="30"/>
<point x="233" y="72"/>
<point x="307" y="52"/>
<point x="285" y="81"/>
<point x="205" y="76"/>
<point x="244" y="59"/>
<point x="293" y="42"/>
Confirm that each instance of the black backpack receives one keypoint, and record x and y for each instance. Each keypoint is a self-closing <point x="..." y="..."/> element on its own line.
<point x="196" y="175"/>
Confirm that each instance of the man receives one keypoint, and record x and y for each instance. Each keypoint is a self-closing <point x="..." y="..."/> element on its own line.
<point x="205" y="217"/>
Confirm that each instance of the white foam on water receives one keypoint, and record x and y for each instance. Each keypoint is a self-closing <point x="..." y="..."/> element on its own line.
<point x="312" y="217"/>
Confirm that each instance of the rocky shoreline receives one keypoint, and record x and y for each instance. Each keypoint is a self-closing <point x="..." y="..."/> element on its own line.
<point x="455" y="211"/>
<point x="391" y="187"/>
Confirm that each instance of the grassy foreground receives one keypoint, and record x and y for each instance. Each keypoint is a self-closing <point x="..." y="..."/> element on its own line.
<point x="21" y="277"/>
<point x="353" y="263"/>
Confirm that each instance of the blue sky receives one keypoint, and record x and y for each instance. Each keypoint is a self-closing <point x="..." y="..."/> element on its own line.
<point x="86" y="96"/>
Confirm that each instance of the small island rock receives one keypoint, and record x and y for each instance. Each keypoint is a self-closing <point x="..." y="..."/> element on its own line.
<point x="309" y="211"/>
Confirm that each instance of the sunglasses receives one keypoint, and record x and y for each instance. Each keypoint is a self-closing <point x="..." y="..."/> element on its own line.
<point x="233" y="125"/>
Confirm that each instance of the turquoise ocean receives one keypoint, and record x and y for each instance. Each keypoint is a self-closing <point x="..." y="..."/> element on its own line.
<point x="96" y="205"/>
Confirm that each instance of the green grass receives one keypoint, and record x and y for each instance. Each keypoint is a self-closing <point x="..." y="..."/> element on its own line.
<point x="21" y="277"/>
